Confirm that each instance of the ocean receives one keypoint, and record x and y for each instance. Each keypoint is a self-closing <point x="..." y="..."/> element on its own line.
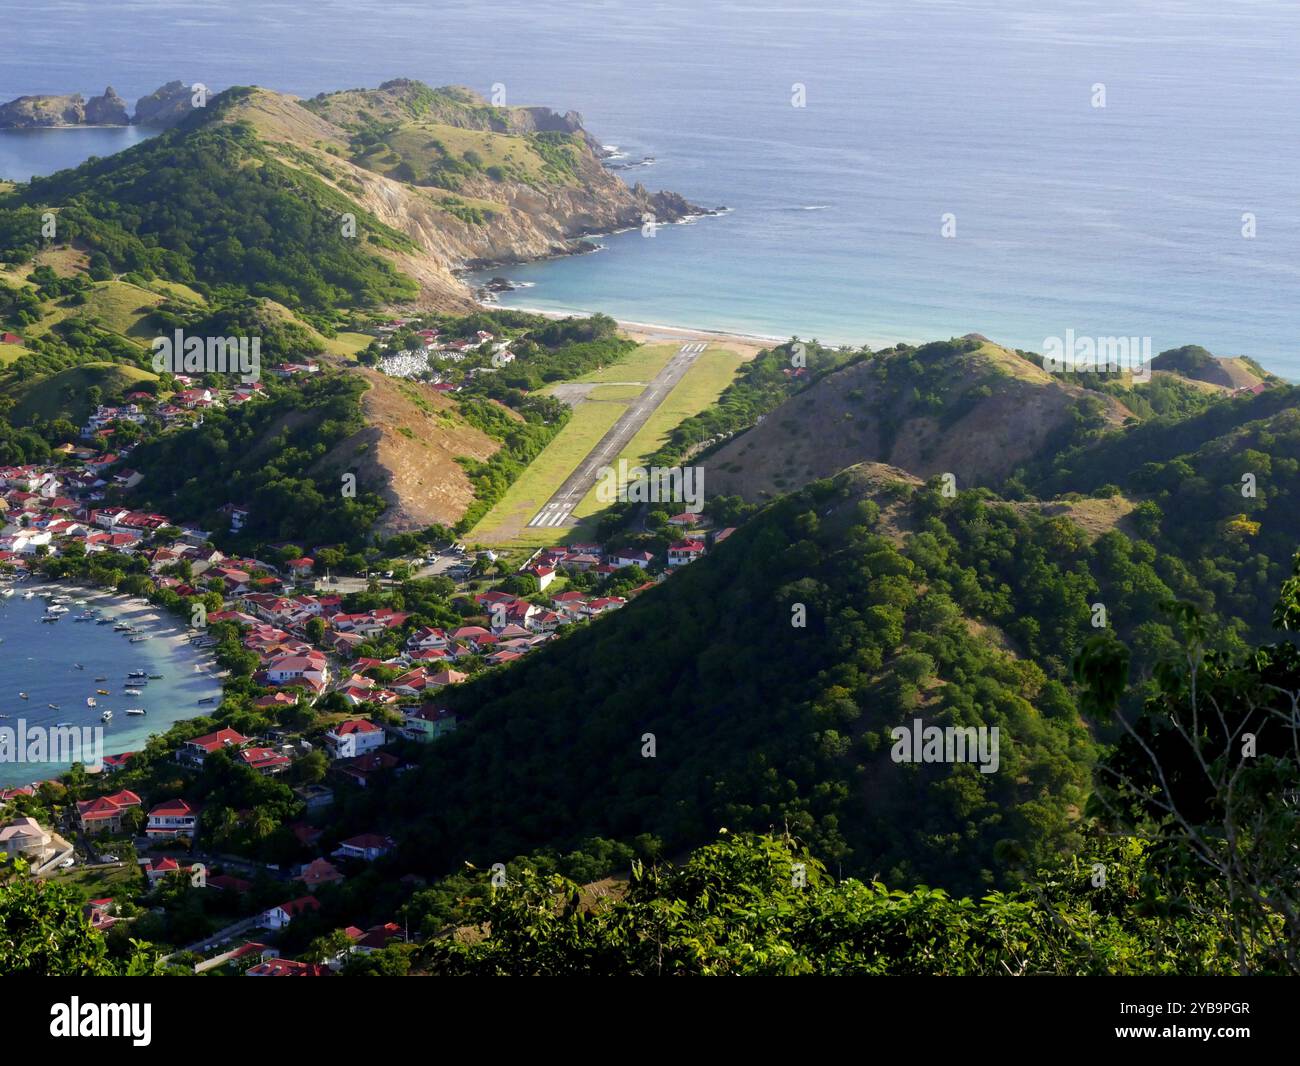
<point x="41" y="660"/>
<point x="1122" y="220"/>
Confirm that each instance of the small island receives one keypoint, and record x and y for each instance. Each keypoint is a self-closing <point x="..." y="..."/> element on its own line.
<point x="161" y="109"/>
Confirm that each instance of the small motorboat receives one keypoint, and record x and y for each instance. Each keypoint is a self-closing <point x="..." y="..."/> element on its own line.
<point x="136" y="710"/>
<point x="52" y="706"/>
<point x="103" y="692"/>
<point x="29" y="594"/>
<point x="107" y="716"/>
<point x="62" y="725"/>
<point x="49" y="618"/>
<point x="131" y="692"/>
<point x="6" y="593"/>
<point x="208" y="699"/>
<point x="136" y="640"/>
<point x="91" y="701"/>
<point x="101" y="679"/>
<point x="155" y="677"/>
<point x="104" y="622"/>
<point x="23" y="696"/>
<point x="137" y="673"/>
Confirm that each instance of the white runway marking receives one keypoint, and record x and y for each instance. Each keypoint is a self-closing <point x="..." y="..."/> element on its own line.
<point x="559" y="509"/>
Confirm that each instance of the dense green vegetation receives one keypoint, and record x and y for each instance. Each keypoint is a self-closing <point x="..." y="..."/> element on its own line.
<point x="271" y="457"/>
<point x="1219" y="494"/>
<point x="763" y="906"/>
<point x="208" y="205"/>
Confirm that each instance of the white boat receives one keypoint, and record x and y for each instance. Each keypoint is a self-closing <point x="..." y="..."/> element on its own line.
<point x="91" y="701"/>
<point x="6" y="592"/>
<point x="135" y="710"/>
<point x="107" y="716"/>
<point x="29" y="594"/>
<point x="132" y="692"/>
<point x="136" y="640"/>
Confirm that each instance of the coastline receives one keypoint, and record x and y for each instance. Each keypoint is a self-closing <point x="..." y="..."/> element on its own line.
<point x="656" y="332"/>
<point x="189" y="673"/>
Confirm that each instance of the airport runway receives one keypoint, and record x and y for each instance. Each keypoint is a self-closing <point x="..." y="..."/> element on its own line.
<point x="559" y="508"/>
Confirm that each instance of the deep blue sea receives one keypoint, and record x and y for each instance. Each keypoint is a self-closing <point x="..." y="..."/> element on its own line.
<point x="1122" y="220"/>
<point x="41" y="660"/>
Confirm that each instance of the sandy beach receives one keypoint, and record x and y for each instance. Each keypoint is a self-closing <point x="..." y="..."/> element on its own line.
<point x="141" y="613"/>
<point x="747" y="344"/>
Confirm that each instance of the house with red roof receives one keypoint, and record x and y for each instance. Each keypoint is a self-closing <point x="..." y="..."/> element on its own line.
<point x="355" y="737"/>
<point x="280" y="916"/>
<point x="194" y="751"/>
<point x="266" y="761"/>
<point x="287" y="968"/>
<point x="375" y="938"/>
<point x="104" y="815"/>
<point x="363" y="769"/>
<point x="156" y="869"/>
<point x="174" y="818"/>
<point x="320" y="872"/>
<point x="685" y="551"/>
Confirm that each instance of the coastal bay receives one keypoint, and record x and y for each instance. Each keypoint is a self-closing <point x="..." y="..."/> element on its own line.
<point x="41" y="660"/>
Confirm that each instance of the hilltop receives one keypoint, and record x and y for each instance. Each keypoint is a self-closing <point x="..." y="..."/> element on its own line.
<point x="363" y="198"/>
<point x="966" y="407"/>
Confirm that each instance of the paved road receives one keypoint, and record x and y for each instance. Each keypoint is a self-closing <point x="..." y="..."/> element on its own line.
<point x="559" y="508"/>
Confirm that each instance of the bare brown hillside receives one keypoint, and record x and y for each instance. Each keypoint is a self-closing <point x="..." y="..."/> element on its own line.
<point x="408" y="453"/>
<point x="996" y="411"/>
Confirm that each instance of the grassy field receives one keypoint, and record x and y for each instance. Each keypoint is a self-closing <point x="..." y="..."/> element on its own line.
<point x="10" y="352"/>
<point x="701" y="386"/>
<point x="101" y="881"/>
<point x="640" y="365"/>
<point x="506" y="524"/>
<point x="63" y="395"/>
<point x="345" y="344"/>
<point x="118" y="305"/>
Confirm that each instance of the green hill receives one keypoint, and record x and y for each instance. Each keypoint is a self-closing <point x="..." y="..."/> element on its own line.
<point x="65" y="395"/>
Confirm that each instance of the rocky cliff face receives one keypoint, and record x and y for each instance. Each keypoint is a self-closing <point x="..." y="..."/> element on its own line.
<point x="162" y="108"/>
<point x="165" y="106"/>
<point x="473" y="185"/>
<point x="33" y="112"/>
<point x="107" y="110"/>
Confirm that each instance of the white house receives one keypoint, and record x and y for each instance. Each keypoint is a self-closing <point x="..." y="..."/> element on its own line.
<point x="356" y="737"/>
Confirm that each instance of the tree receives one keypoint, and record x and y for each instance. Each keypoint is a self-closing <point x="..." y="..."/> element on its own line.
<point x="43" y="932"/>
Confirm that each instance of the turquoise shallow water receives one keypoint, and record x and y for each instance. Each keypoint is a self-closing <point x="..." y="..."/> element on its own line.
<point x="1116" y="221"/>
<point x="39" y="659"/>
